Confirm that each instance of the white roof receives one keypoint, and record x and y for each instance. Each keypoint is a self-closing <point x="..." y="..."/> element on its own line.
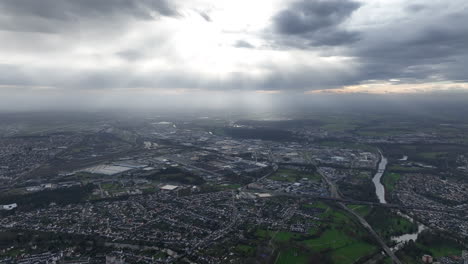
<point x="169" y="187"/>
<point x="9" y="206"/>
<point x="106" y="169"/>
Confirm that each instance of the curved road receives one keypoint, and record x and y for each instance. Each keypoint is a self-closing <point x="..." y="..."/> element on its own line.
<point x="335" y="193"/>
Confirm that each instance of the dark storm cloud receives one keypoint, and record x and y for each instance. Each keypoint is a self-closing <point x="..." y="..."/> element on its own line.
<point x="72" y="9"/>
<point x="425" y="44"/>
<point x="49" y="15"/>
<point x="279" y="78"/>
<point x="333" y="38"/>
<point x="316" y="23"/>
<point x="131" y="55"/>
<point x="243" y="44"/>
<point x="429" y="45"/>
<point x="308" y="16"/>
<point x="205" y="16"/>
<point x="414" y="8"/>
<point x="422" y="48"/>
<point x="13" y="75"/>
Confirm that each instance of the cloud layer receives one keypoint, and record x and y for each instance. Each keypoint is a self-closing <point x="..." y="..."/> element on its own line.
<point x="221" y="45"/>
<point x="317" y="23"/>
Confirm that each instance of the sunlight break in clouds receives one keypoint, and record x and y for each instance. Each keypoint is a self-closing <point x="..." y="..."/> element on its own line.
<point x="75" y="47"/>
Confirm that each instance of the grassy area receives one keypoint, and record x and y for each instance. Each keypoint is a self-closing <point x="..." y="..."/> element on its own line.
<point x="442" y="250"/>
<point x="245" y="250"/>
<point x="320" y="205"/>
<point x="285" y="236"/>
<point x="437" y="245"/>
<point x="339" y="127"/>
<point x="86" y="177"/>
<point x="405" y="169"/>
<point x="432" y="155"/>
<point x="345" y="244"/>
<point x="12" y="253"/>
<point x="176" y="175"/>
<point x="343" y="248"/>
<point x="348" y="145"/>
<point x="389" y="224"/>
<point x="290" y="175"/>
<point x="432" y="244"/>
<point x="181" y="178"/>
<point x="338" y="237"/>
<point x="363" y="210"/>
<point x="381" y="132"/>
<point x="229" y="186"/>
<point x="352" y="253"/>
<point x="112" y="188"/>
<point x="291" y="255"/>
<point x="331" y="238"/>
<point x="17" y="191"/>
<point x="390" y="180"/>
<point x="279" y="236"/>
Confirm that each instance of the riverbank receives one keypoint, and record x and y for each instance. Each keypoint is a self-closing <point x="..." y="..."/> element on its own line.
<point x="380" y="192"/>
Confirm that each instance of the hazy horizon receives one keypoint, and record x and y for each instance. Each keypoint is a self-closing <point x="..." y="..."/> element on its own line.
<point x="135" y="54"/>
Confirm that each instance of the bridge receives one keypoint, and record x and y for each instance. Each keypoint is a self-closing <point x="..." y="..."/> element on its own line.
<point x="351" y="201"/>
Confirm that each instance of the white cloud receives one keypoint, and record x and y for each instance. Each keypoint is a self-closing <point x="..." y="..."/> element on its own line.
<point x="180" y="49"/>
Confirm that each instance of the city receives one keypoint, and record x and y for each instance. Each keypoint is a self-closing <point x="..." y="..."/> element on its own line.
<point x="242" y="132"/>
<point x="228" y="191"/>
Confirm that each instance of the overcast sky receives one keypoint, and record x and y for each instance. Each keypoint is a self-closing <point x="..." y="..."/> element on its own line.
<point x="101" y="50"/>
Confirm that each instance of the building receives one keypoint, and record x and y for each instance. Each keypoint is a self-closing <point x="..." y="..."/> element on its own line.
<point x="427" y="259"/>
<point x="8" y="207"/>
<point x="169" y="187"/>
<point x="114" y="260"/>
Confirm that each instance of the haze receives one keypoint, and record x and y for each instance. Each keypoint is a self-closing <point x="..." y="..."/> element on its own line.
<point x="67" y="54"/>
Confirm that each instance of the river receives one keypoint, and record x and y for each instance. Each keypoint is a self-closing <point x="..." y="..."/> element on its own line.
<point x="377" y="180"/>
<point x="380" y="192"/>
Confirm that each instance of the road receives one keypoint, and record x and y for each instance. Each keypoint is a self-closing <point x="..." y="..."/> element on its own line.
<point x="222" y="232"/>
<point x="335" y="193"/>
<point x="215" y="235"/>
<point x="369" y="228"/>
<point x="351" y="201"/>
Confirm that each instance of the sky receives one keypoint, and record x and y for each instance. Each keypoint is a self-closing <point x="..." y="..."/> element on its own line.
<point x="126" y="52"/>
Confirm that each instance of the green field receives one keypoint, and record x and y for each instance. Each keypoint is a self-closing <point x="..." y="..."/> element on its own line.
<point x="432" y="155"/>
<point x="290" y="175"/>
<point x="229" y="186"/>
<point x="362" y="210"/>
<point x="113" y="188"/>
<point x="345" y="144"/>
<point x="431" y="243"/>
<point x="342" y="246"/>
<point x="398" y="168"/>
<point x="352" y="253"/>
<point x="381" y="132"/>
<point x="331" y="238"/>
<point x="339" y="127"/>
<point x="279" y="236"/>
<point x="389" y="224"/>
<point x="442" y="250"/>
<point x="292" y="256"/>
<point x="338" y="238"/>
<point x="437" y="245"/>
<point x="390" y="180"/>
<point x="176" y="175"/>
<point x="245" y="250"/>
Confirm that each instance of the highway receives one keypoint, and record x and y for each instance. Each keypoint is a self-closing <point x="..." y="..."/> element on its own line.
<point x="369" y="228"/>
<point x="208" y="240"/>
<point x="351" y="201"/>
<point x="335" y="193"/>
